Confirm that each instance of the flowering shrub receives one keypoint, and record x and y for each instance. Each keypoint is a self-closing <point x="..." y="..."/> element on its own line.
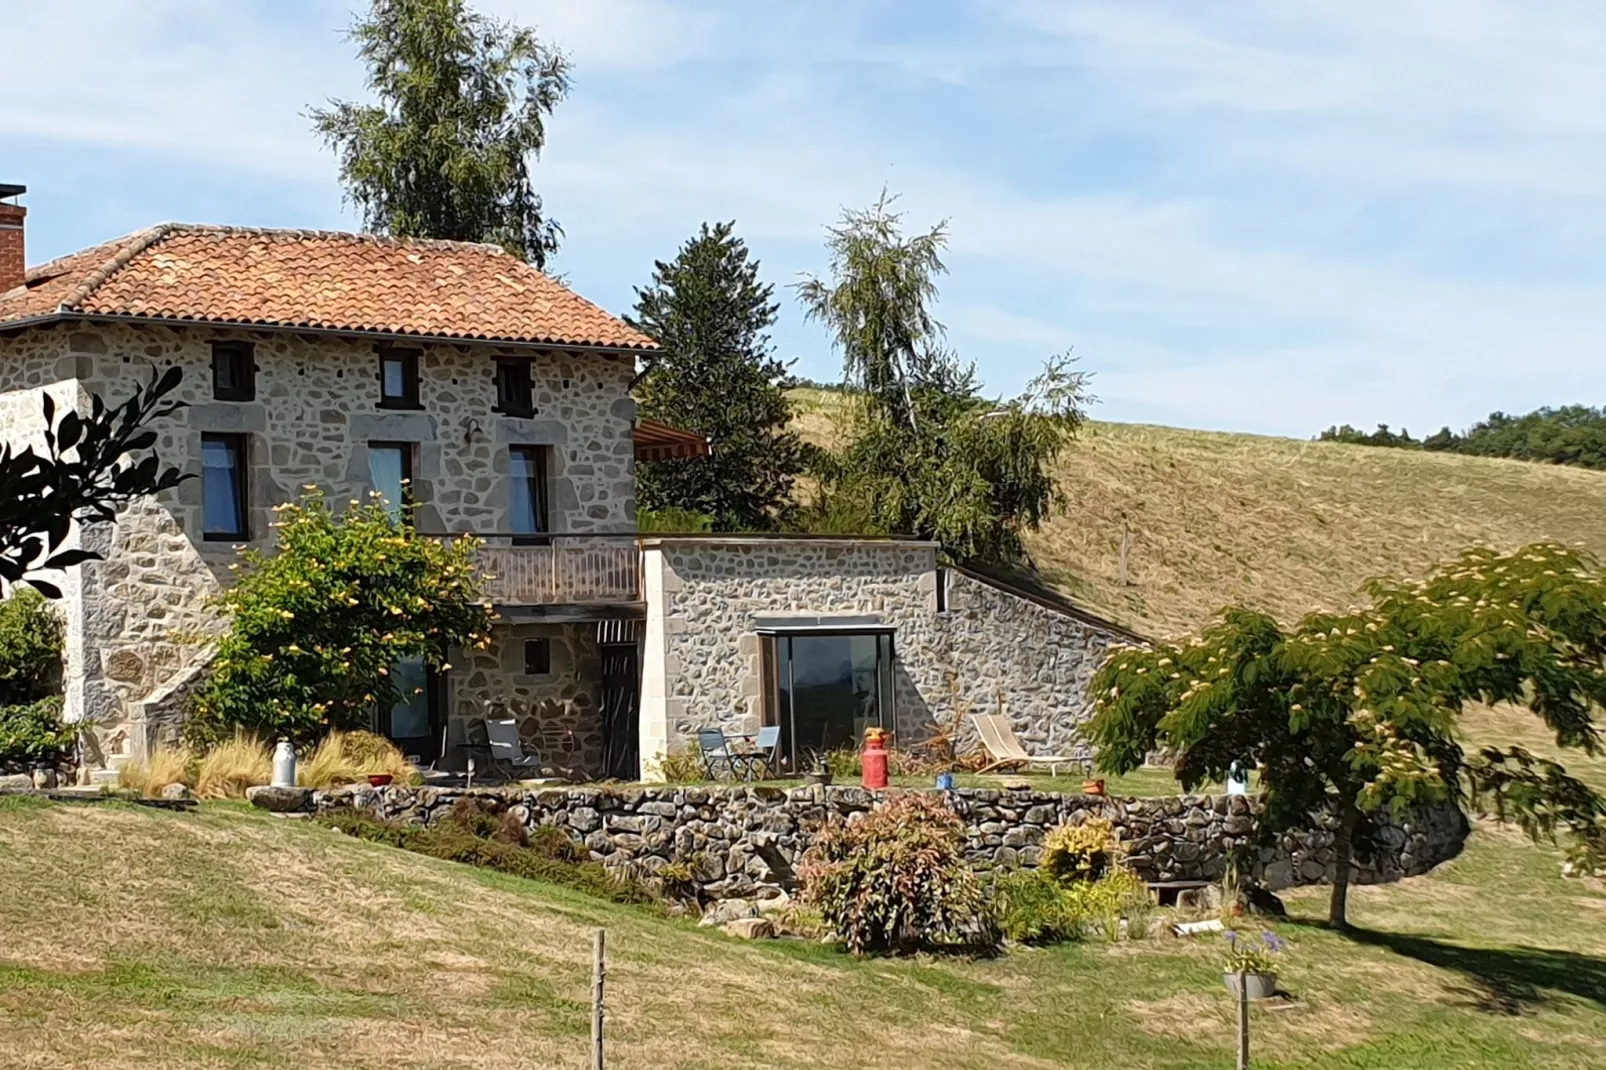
<point x="1253" y="956"/>
<point x="31" y="636"/>
<point x="315" y="628"/>
<point x="896" y="880"/>
<point x="1033" y="907"/>
<point x="1080" y="852"/>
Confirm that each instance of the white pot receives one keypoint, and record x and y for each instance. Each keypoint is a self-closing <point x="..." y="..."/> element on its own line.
<point x="1259" y="985"/>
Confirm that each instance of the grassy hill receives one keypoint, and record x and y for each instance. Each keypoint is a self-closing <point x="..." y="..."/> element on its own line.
<point x="227" y="938"/>
<point x="1281" y="524"/>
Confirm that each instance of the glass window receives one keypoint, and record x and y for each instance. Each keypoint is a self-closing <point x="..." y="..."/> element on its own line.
<point x="514" y="395"/>
<point x="537" y="657"/>
<point x="390" y="473"/>
<point x="409" y="718"/>
<point x="527" y="504"/>
<point x="827" y="689"/>
<point x="233" y="371"/>
<point x="223" y="487"/>
<point x="398" y="378"/>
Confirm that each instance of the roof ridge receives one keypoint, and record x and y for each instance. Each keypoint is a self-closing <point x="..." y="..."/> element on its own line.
<point x="446" y="244"/>
<point x="137" y="243"/>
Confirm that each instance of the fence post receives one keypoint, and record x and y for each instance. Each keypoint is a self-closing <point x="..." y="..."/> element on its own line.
<point x="1243" y="1021"/>
<point x="598" y="974"/>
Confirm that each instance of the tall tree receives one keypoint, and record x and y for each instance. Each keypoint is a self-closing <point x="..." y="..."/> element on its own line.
<point x="929" y="455"/>
<point x="1347" y="713"/>
<point x="446" y="153"/>
<point x="717" y="375"/>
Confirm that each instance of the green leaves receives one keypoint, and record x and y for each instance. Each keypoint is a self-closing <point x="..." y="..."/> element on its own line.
<point x="316" y="627"/>
<point x="463" y="101"/>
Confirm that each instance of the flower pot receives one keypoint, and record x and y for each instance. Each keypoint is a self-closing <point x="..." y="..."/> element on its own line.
<point x="379" y="780"/>
<point x="1259" y="985"/>
<point x="1093" y="787"/>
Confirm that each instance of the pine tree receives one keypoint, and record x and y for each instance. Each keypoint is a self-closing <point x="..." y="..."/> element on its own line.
<point x="446" y="153"/>
<point x="717" y="375"/>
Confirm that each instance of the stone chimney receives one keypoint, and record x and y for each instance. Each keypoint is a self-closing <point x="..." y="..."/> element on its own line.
<point x="13" y="254"/>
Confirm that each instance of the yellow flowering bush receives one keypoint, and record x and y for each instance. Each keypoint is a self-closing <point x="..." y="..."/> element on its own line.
<point x="315" y="627"/>
<point x="1082" y="852"/>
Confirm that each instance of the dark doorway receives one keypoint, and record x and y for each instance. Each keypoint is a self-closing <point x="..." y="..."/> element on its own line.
<point x="414" y="724"/>
<point x="825" y="688"/>
<point x="621" y="711"/>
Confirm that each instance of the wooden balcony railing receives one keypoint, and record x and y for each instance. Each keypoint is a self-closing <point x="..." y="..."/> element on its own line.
<point x="579" y="573"/>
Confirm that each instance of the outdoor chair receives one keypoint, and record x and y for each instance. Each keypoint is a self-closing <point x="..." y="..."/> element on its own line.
<point x="507" y="749"/>
<point x="1004" y="746"/>
<point x="716" y="751"/>
<point x="762" y="758"/>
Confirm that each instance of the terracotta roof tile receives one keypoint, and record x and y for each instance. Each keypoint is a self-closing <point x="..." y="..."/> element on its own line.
<point x="318" y="279"/>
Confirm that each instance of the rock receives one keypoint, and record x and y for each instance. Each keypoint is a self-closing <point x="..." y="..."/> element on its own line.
<point x="176" y="791"/>
<point x="726" y="911"/>
<point x="751" y="928"/>
<point x="44" y="778"/>
<point x="16" y="782"/>
<point x="279" y="800"/>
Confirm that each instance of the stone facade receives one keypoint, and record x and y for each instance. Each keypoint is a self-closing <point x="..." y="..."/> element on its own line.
<point x="976" y="649"/>
<point x="138" y="621"/>
<point x="743" y="842"/>
<point x="559" y="712"/>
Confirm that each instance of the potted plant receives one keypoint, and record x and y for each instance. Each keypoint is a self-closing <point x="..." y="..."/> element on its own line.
<point x="1254" y="962"/>
<point x="821" y="773"/>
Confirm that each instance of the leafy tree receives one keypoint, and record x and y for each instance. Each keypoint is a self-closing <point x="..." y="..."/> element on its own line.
<point x="80" y="477"/>
<point x="716" y="374"/>
<point x="1572" y="435"/>
<point x="463" y="105"/>
<point x="31" y="640"/>
<point x="315" y="628"/>
<point x="1347" y="713"/>
<point x="929" y="455"/>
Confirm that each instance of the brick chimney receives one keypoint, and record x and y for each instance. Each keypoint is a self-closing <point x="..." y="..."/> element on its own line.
<point x="13" y="255"/>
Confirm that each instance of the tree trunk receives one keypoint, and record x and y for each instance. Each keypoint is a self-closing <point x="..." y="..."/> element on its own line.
<point x="1343" y="848"/>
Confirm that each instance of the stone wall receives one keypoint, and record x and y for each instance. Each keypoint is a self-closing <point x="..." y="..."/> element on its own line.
<point x="138" y="621"/>
<point x="559" y="712"/>
<point x="979" y="649"/>
<point x="741" y="841"/>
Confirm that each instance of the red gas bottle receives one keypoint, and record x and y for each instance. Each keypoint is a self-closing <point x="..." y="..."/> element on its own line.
<point x="875" y="758"/>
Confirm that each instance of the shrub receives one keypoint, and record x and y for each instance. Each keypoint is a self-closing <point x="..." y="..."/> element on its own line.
<point x="1118" y="894"/>
<point x="31" y="636"/>
<point x="351" y="758"/>
<point x="315" y="628"/>
<point x="1080" y="852"/>
<point x="682" y="767"/>
<point x="162" y="766"/>
<point x="472" y="833"/>
<point x="896" y="880"/>
<point x="34" y="734"/>
<point x="1033" y="908"/>
<point x="228" y="769"/>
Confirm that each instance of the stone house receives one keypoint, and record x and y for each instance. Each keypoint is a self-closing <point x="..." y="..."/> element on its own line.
<point x="501" y="400"/>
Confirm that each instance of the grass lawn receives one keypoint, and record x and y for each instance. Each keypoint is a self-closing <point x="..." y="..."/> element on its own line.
<point x="226" y="938"/>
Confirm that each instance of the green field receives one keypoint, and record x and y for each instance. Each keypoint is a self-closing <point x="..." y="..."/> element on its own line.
<point x="226" y="938"/>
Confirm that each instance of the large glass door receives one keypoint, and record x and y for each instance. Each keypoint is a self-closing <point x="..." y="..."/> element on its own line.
<point x="826" y="688"/>
<point x="414" y="723"/>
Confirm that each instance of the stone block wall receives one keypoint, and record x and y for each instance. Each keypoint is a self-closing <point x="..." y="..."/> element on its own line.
<point x="746" y="841"/>
<point x="559" y="712"/>
<point x="979" y="649"/>
<point x="139" y="621"/>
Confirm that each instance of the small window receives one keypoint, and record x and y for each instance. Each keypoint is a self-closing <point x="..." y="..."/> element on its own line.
<point x="390" y="473"/>
<point x="234" y="375"/>
<point x="527" y="491"/>
<point x="538" y="657"/>
<point x="398" y="378"/>
<point x="942" y="590"/>
<point x="514" y="396"/>
<point x="223" y="496"/>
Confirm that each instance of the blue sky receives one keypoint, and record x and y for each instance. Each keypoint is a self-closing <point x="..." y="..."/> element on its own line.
<point x="1260" y="216"/>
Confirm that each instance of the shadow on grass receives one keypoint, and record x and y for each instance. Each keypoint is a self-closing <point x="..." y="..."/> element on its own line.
<point x="1504" y="980"/>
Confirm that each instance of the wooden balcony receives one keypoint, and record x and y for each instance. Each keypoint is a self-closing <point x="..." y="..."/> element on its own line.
<point x="567" y="574"/>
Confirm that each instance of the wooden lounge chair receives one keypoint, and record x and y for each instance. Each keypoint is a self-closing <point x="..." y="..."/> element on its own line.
<point x="1005" y="749"/>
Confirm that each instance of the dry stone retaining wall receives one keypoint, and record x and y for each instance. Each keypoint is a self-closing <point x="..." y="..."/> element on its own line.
<point x="743" y="842"/>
